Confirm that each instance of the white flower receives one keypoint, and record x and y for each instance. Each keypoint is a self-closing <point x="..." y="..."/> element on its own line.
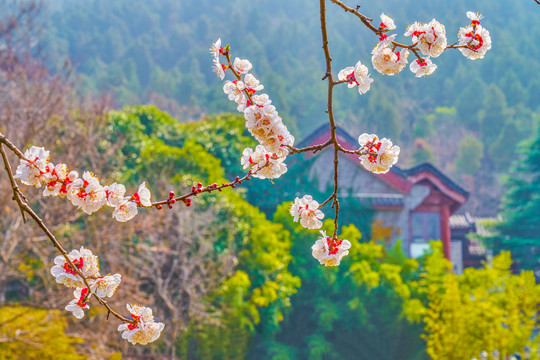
<point x="115" y="194"/>
<point x="422" y="67"/>
<point x="430" y="38"/>
<point x="106" y="285"/>
<point x="216" y="49"/>
<point x="261" y="99"/>
<point x="475" y="17"/>
<point x="308" y="211"/>
<point x="87" y="193"/>
<point x="243" y="102"/>
<point x="264" y="123"/>
<point x="275" y="168"/>
<point x="125" y="212"/>
<point x="356" y="76"/>
<point x="264" y="165"/>
<point x="347" y="74"/>
<point x="142" y="196"/>
<point x="246" y="160"/>
<point x="381" y="155"/>
<point x="330" y="251"/>
<point x="295" y="209"/>
<point x="219" y="69"/>
<point x="56" y="179"/>
<point x="234" y="90"/>
<point x="83" y="259"/>
<point x="242" y="66"/>
<point x="77" y="305"/>
<point x="31" y="172"/>
<point x="387" y="23"/>
<point x="367" y="139"/>
<point x="415" y="30"/>
<point x="387" y="62"/>
<point x="144" y="329"/>
<point x="476" y="39"/>
<point x="252" y="84"/>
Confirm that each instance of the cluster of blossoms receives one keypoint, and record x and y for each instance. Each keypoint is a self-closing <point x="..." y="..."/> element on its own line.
<point x="429" y="39"/>
<point x="85" y="193"/>
<point x="474" y="38"/>
<point x="307" y="210"/>
<point x="143" y="329"/>
<point x="262" y="118"/>
<point x="376" y="155"/>
<point x="329" y="251"/>
<point x="356" y="76"/>
<point x="381" y="153"/>
<point x="387" y="61"/>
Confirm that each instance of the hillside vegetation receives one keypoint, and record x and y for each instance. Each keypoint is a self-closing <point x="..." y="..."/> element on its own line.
<point x="466" y="118"/>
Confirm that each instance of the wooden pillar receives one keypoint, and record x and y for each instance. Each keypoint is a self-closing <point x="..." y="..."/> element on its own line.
<point x="445" y="230"/>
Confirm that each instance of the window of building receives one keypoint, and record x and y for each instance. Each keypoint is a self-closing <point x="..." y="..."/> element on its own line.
<point x="425" y="226"/>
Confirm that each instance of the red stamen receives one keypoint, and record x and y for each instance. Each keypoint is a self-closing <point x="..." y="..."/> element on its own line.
<point x="351" y="79"/>
<point x="132" y="326"/>
<point x="136" y="198"/>
<point x="83" y="295"/>
<point x="79" y="263"/>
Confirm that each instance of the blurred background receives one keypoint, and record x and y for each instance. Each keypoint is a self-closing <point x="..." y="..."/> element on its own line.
<point x="445" y="255"/>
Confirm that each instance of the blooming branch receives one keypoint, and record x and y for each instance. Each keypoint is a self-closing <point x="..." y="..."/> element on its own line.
<point x="376" y="155"/>
<point x="79" y="268"/>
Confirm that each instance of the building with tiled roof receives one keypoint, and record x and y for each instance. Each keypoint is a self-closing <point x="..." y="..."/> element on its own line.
<point x="415" y="204"/>
<point x="467" y="251"/>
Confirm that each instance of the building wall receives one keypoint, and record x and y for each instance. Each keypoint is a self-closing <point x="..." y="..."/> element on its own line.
<point x="359" y="182"/>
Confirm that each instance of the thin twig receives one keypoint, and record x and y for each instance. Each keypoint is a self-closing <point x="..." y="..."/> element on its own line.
<point x="17" y="194"/>
<point x="9" y="144"/>
<point x="21" y="201"/>
<point x="330" y="111"/>
<point x="314" y="148"/>
<point x="379" y="32"/>
<point x="209" y="188"/>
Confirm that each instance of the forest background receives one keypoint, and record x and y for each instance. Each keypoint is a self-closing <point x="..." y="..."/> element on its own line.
<point x="250" y="287"/>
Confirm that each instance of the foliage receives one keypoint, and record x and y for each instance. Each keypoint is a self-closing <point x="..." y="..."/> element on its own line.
<point x="484" y="309"/>
<point x="154" y="51"/>
<point x="378" y="294"/>
<point x="35" y="334"/>
<point x="345" y="312"/>
<point x="469" y="155"/>
<point x="518" y="232"/>
<point x="258" y="290"/>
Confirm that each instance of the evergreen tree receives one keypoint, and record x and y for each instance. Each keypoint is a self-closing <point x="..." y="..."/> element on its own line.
<point x="518" y="232"/>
